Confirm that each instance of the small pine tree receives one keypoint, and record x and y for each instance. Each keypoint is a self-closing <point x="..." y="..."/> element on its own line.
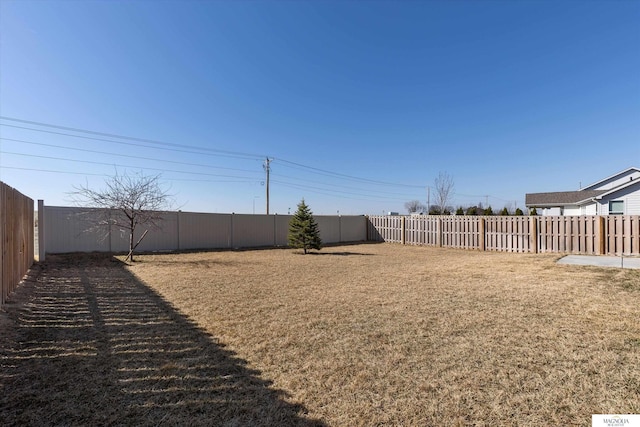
<point x="504" y="211"/>
<point x="460" y="211"/>
<point x="519" y="212"/>
<point x="303" y="229"/>
<point x="488" y="211"/>
<point x="533" y="212"/>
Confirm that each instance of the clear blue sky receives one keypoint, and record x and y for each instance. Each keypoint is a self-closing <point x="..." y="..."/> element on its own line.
<point x="360" y="104"/>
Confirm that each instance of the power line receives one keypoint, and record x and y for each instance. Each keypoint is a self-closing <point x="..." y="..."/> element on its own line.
<point x="119" y="165"/>
<point x="350" y="197"/>
<point x="105" y="175"/>
<point x="125" y="155"/>
<point x="344" y="176"/>
<point x="342" y="186"/>
<point x="179" y="148"/>
<point x="130" y="138"/>
<point x="192" y="149"/>
<point x="52" y="171"/>
<point x="133" y="144"/>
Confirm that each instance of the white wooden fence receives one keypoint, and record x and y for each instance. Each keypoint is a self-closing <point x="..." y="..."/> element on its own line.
<point x="594" y="235"/>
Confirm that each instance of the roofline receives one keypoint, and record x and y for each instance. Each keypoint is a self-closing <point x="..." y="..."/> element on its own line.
<point x="612" y="176"/>
<point x="618" y="188"/>
<point x="559" y="205"/>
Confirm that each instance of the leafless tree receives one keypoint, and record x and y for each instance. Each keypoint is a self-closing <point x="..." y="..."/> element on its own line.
<point x="444" y="190"/>
<point x="414" y="206"/>
<point x="126" y="202"/>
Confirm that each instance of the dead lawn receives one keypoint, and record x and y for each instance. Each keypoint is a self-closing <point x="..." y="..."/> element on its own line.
<point x="382" y="334"/>
<point x="362" y="335"/>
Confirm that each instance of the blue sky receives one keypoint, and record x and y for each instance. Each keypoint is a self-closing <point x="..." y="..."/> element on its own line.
<point x="360" y="104"/>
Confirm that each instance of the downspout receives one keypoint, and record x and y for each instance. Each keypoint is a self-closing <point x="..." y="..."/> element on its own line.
<point x="593" y="199"/>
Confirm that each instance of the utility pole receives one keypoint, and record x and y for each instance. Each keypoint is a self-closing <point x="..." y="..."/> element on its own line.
<point x="267" y="168"/>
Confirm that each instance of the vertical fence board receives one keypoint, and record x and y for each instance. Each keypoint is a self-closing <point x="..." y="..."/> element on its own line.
<point x="16" y="238"/>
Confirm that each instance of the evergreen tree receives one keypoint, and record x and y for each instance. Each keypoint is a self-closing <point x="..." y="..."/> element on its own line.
<point x="303" y="229"/>
<point x="519" y="212"/>
<point x="460" y="211"/>
<point x="504" y="211"/>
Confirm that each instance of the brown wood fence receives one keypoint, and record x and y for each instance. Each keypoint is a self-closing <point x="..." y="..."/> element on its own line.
<point x="16" y="238"/>
<point x="593" y="235"/>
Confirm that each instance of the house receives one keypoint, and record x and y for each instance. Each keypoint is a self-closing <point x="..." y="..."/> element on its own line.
<point x="618" y="194"/>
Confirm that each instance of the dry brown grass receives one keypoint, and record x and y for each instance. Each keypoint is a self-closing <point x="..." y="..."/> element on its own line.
<point x="397" y="335"/>
<point x="361" y="335"/>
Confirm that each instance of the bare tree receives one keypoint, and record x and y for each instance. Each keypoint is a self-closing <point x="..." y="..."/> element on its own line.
<point x="414" y="206"/>
<point x="444" y="190"/>
<point x="136" y="199"/>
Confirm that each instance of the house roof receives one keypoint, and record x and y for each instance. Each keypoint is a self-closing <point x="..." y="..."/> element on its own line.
<point x="564" y="198"/>
<point x="560" y="198"/>
<point x="611" y="177"/>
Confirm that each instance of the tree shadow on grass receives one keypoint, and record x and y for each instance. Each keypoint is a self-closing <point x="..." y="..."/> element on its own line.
<point x="344" y="253"/>
<point x="92" y="345"/>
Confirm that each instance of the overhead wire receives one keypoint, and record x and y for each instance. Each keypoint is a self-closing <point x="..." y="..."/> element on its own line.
<point x="119" y="165"/>
<point x="126" y="155"/>
<point x="130" y="138"/>
<point x="191" y="149"/>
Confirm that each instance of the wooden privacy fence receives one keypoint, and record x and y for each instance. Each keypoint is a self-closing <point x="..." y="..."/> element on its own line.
<point x="16" y="238"/>
<point x="593" y="235"/>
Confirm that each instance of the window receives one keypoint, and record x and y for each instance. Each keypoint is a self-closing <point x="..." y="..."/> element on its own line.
<point x="616" y="207"/>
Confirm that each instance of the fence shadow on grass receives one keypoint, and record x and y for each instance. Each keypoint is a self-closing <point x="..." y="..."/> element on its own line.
<point x="92" y="345"/>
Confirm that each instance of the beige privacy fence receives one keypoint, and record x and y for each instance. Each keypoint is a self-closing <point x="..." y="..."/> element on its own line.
<point x="69" y="229"/>
<point x="16" y="238"/>
<point x="595" y="235"/>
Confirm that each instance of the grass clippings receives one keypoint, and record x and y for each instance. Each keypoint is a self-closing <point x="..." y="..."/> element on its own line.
<point x="372" y="334"/>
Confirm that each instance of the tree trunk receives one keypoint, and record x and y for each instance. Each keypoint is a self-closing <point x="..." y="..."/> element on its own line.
<point x="132" y="230"/>
<point x="131" y="245"/>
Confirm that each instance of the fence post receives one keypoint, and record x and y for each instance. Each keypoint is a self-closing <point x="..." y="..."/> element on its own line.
<point x="402" y="229"/>
<point x="601" y="237"/>
<point x="41" y="231"/>
<point x="178" y="227"/>
<point x="367" y="222"/>
<point x="439" y="232"/>
<point x="231" y="232"/>
<point x="533" y="234"/>
<point x="483" y="234"/>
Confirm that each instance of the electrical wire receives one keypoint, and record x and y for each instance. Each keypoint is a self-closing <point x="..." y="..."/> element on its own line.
<point x="126" y="155"/>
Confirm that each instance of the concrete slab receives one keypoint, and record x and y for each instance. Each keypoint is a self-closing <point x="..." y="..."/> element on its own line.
<point x="601" y="261"/>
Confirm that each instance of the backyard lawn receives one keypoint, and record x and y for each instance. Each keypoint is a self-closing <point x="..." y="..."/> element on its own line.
<point x="361" y="335"/>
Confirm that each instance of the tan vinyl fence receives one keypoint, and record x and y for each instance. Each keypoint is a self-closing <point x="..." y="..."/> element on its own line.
<point x="16" y="238"/>
<point x="64" y="229"/>
<point x="593" y="235"/>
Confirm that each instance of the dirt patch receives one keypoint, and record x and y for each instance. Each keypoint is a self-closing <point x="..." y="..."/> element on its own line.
<point x="376" y="334"/>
